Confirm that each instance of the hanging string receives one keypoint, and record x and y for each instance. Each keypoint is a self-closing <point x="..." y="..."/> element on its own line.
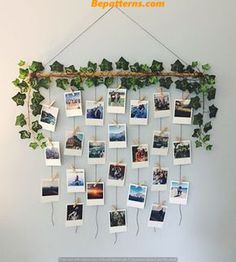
<point x="180" y="179"/>
<point x="52" y="214"/>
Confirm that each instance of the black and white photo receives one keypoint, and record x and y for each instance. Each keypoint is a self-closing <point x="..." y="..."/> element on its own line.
<point x="182" y="112"/>
<point x="182" y="152"/>
<point x="157" y="215"/>
<point x="74" y="215"/>
<point x="49" y="190"/>
<point x="161" y="104"/>
<point x="159" y="178"/>
<point x="117" y="221"/>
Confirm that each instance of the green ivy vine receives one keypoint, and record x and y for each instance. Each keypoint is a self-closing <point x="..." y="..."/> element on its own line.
<point x="200" y="89"/>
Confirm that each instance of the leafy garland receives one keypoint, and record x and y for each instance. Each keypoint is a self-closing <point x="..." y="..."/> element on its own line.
<point x="29" y="85"/>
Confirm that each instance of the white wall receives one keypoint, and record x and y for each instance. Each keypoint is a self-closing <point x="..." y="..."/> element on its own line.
<point x="196" y="30"/>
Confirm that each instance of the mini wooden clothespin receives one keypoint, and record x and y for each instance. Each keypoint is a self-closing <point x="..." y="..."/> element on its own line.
<point x="142" y="99"/>
<point x="77" y="201"/>
<point x="54" y="177"/>
<point x="163" y="130"/>
<point x="118" y="87"/>
<point x="93" y="138"/>
<point x="97" y="182"/>
<point x="158" y="165"/>
<point x="162" y="203"/>
<point x="136" y="142"/>
<point x="179" y="139"/>
<point x="73" y="168"/>
<point x="161" y="92"/>
<point x="50" y="142"/>
<point x="77" y="129"/>
<point x="71" y="89"/>
<point x="99" y="99"/>
<point x="141" y="184"/>
<point x="119" y="162"/>
<point x="186" y="97"/>
<point x="182" y="179"/>
<point x="115" y="122"/>
<point x="51" y="104"/>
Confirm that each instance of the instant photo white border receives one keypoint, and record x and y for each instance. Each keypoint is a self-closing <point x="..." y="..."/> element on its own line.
<point x="160" y="151"/>
<point x="117" y="229"/>
<point x="53" y="162"/>
<point x="113" y="182"/>
<point x="74" y="223"/>
<point x="116" y="109"/>
<point x="138" y="121"/>
<point x="97" y="160"/>
<point x="157" y="224"/>
<point x="73" y="112"/>
<point x="132" y="203"/>
<point x="117" y="144"/>
<point x="95" y="202"/>
<point x="177" y="200"/>
<point x="94" y="122"/>
<point x="182" y="120"/>
<point x="49" y="199"/>
<point x="160" y="187"/>
<point x="185" y="160"/>
<point x="161" y="113"/>
<point x="52" y="110"/>
<point x="142" y="164"/>
<point x="75" y="189"/>
<point x="73" y="152"/>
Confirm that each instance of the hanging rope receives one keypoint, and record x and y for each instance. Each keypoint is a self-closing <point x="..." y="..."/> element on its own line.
<point x="180" y="179"/>
<point x="52" y="214"/>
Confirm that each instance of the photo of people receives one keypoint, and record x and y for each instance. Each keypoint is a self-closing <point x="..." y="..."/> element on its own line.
<point x="157" y="216"/>
<point x="179" y="192"/>
<point x="138" y="112"/>
<point x="48" y="118"/>
<point x="74" y="215"/>
<point x="140" y="156"/>
<point x="116" y="174"/>
<point x="73" y="104"/>
<point x="49" y="190"/>
<point x="116" y="100"/>
<point x="117" y="136"/>
<point x="137" y="196"/>
<point x="159" y="178"/>
<point x="75" y="180"/>
<point x="96" y="152"/>
<point x="52" y="154"/>
<point x="160" y="143"/>
<point x="117" y="221"/>
<point x="74" y="143"/>
<point x="94" y="113"/>
<point x="182" y="112"/>
<point x="161" y="104"/>
<point x="95" y="193"/>
<point x="182" y="152"/>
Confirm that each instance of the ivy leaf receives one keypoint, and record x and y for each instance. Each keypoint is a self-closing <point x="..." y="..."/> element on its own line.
<point x="196" y="87"/>
<point x="206" y="138"/>
<point x="197" y="132"/>
<point x="177" y="67"/>
<point x="189" y="69"/>
<point x="36" y="109"/>
<point x="108" y="81"/>
<point x="140" y="82"/>
<point x="23" y="73"/>
<point x="37" y="98"/>
<point x="198" y="143"/>
<point x="194" y="64"/>
<point x="182" y="84"/>
<point x="165" y="82"/>
<point x="156" y="66"/>
<point x="16" y="82"/>
<point x="57" y="67"/>
<point x="135" y="67"/>
<point x="211" y="93"/>
<point x="213" y="111"/>
<point x="25" y="134"/>
<point x="206" y="67"/>
<point x="198" y="119"/>
<point x="144" y="68"/>
<point x="40" y="136"/>
<point x="207" y="127"/>
<point x="209" y="147"/>
<point x="19" y="99"/>
<point x="98" y="81"/>
<point x="151" y="80"/>
<point x="43" y="145"/>
<point x="92" y="67"/>
<point x="33" y="145"/>
<point x="70" y="69"/>
<point x="76" y="82"/>
<point x="62" y="83"/>
<point x="24" y="87"/>
<point x="20" y="120"/>
<point x="36" y="126"/>
<point x="122" y="64"/>
<point x="21" y="63"/>
<point x="195" y="102"/>
<point x="106" y="65"/>
<point x="127" y="82"/>
<point x="89" y="82"/>
<point x="36" y="66"/>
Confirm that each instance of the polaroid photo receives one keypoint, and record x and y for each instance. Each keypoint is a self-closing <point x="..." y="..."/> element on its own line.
<point x="116" y="174"/>
<point x="161" y="103"/>
<point x="117" y="221"/>
<point x="138" y="112"/>
<point x="137" y="196"/>
<point x="160" y="143"/>
<point x="50" y="190"/>
<point x="157" y="216"/>
<point x="75" y="180"/>
<point x="139" y="156"/>
<point x="182" y="152"/>
<point x="94" y="113"/>
<point x="96" y="152"/>
<point x="74" y="142"/>
<point x="74" y="215"/>
<point x="179" y="192"/>
<point x="48" y="118"/>
<point x="52" y="154"/>
<point x="182" y="112"/>
<point x="117" y="136"/>
<point x="116" y="101"/>
<point x="73" y="104"/>
<point x="159" y="178"/>
<point x="95" y="193"/>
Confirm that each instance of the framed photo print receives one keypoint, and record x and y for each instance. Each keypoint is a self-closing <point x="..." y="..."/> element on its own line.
<point x="137" y="196"/>
<point x="161" y="103"/>
<point x="48" y="118"/>
<point x="116" y="174"/>
<point x="74" y="215"/>
<point x="73" y="104"/>
<point x="159" y="178"/>
<point x="74" y="143"/>
<point x="94" y="113"/>
<point x="75" y="180"/>
<point x="49" y="190"/>
<point x="117" y="221"/>
<point x="95" y="193"/>
<point x="160" y="143"/>
<point x="182" y="112"/>
<point x="182" y="152"/>
<point x="138" y="112"/>
<point x="139" y="156"/>
<point x="96" y="152"/>
<point x="116" y="100"/>
<point x="52" y="154"/>
<point x="157" y="216"/>
<point x="117" y="136"/>
<point x="179" y="192"/>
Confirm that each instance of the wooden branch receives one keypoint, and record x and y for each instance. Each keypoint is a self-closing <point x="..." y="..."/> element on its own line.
<point x="116" y="74"/>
